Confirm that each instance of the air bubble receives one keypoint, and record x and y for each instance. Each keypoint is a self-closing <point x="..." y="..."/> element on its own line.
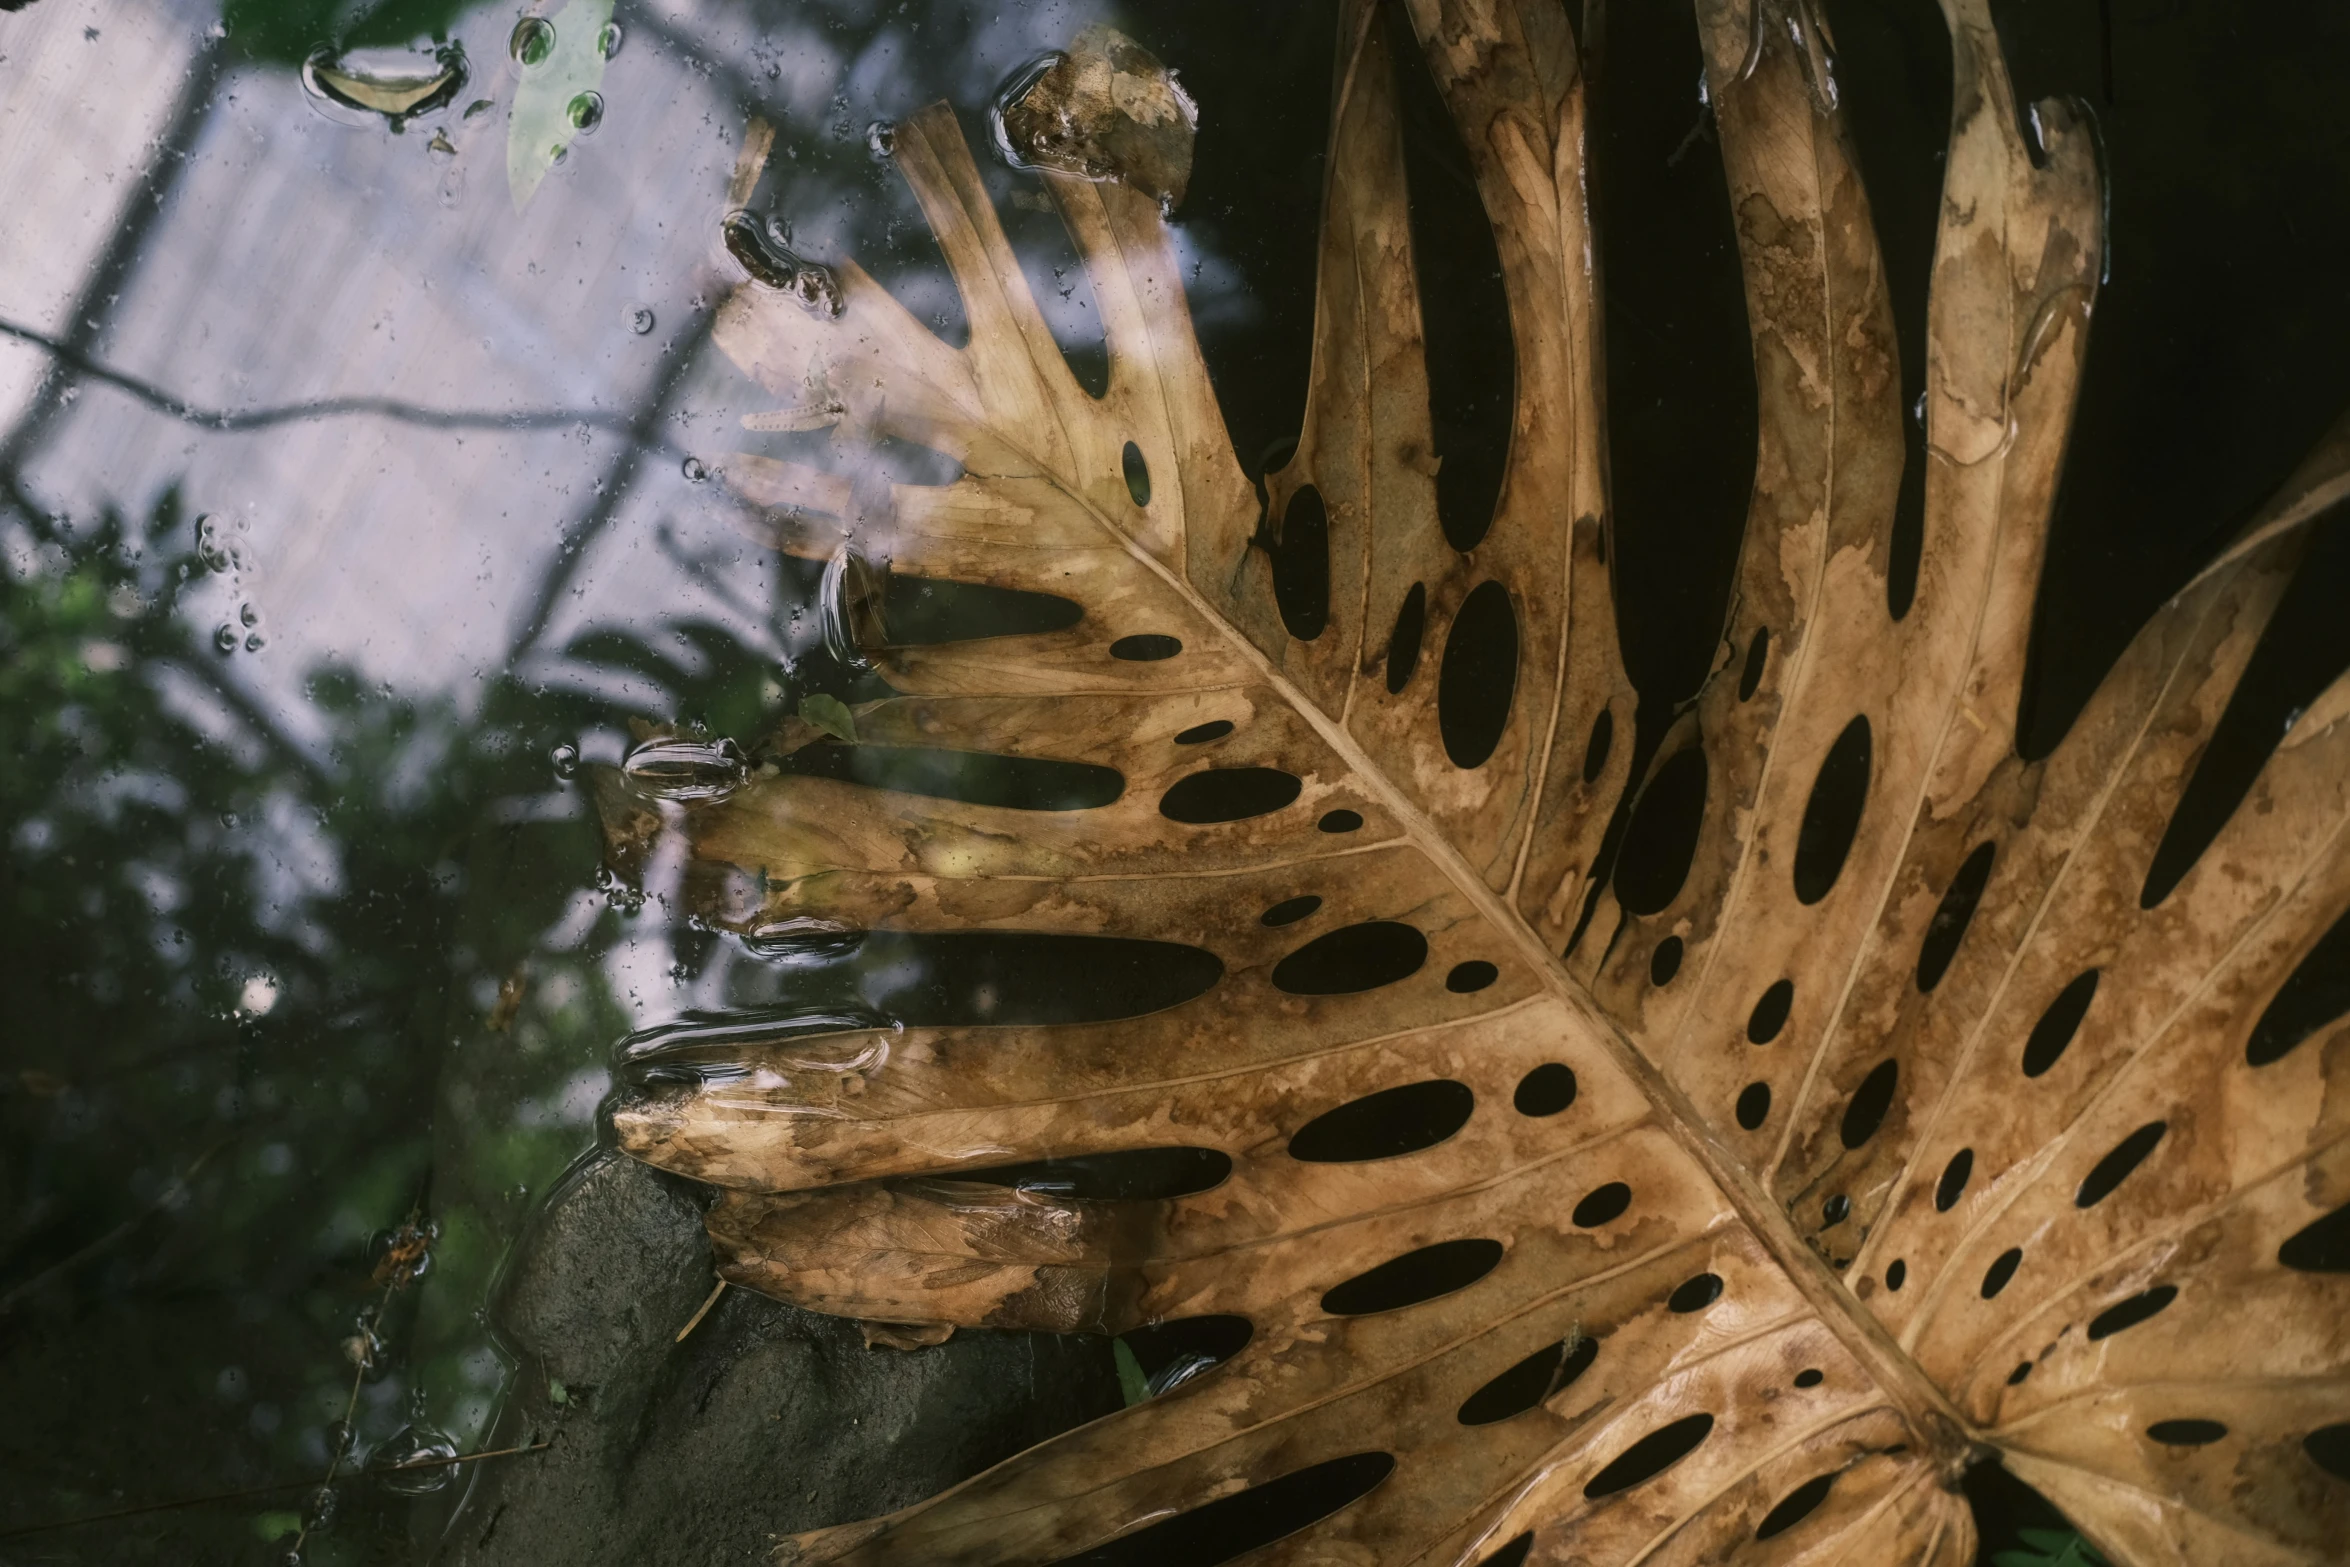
<point x="532" y="40"/>
<point x="608" y="41"/>
<point x="225" y="638"/>
<point x="255" y="641"/>
<point x="565" y="759"/>
<point x="585" y="111"/>
<point x="248" y="614"/>
<point x="687" y="769"/>
<point x="640" y="320"/>
<point x="415" y="1462"/>
<point x="881" y="139"/>
<point x="695" y="470"/>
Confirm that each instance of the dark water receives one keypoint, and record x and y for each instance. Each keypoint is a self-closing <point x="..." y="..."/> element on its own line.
<point x="357" y="488"/>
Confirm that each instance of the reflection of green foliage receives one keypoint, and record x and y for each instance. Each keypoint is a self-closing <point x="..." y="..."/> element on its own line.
<point x="253" y="1018"/>
<point x="2050" y="1548"/>
<point x="286" y="31"/>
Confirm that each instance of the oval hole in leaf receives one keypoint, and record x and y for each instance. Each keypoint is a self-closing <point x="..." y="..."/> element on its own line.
<point x="2022" y="1370"/>
<point x="925" y="611"/>
<point x="1138" y="474"/>
<point x="1162" y="1346"/>
<point x="1466" y="979"/>
<point x="1810" y="1377"/>
<point x="2129" y="1313"/>
<point x="1416" y="1276"/>
<point x="1513" y="1552"/>
<point x="1546" y="1090"/>
<point x="1758" y="654"/>
<point x="2186" y="1433"/>
<point x="1796" y="1506"/>
<point x="2001" y="1270"/>
<point x="1770" y="1012"/>
<point x="1130" y="1175"/>
<point x="1595" y="749"/>
<point x="1464" y="314"/>
<point x="2116" y="1166"/>
<point x="1832" y="816"/>
<point x="2320" y="1246"/>
<point x="1201" y="734"/>
<point x="1665" y="961"/>
<point x="965" y="978"/>
<point x="1695" y="1294"/>
<point x="2059" y="1023"/>
<point x="1896" y="1273"/>
<point x="2328" y="1447"/>
<point x="1235" y="1525"/>
<point x="1836" y="1209"/>
<point x="1290" y="910"/>
<point x="1403" y="643"/>
<point x="1386" y="1124"/>
<point x="1651" y="1456"/>
<point x="1603" y="1205"/>
<point x="1340" y="821"/>
<point x="1955" y="1175"/>
<point x="1146" y="647"/>
<point x="1754" y="1105"/>
<point x="1301" y="565"/>
<point x="2315" y="994"/>
<point x="1228" y="794"/>
<point x="1479" y="675"/>
<point x="1017" y="783"/>
<point x="1952" y="916"/>
<point x="1662" y="837"/>
<point x="1869" y="1103"/>
<point x="1529" y="1382"/>
<point x="1352" y="958"/>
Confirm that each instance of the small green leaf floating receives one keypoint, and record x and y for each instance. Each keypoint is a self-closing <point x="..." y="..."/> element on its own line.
<point x="562" y="59"/>
<point x="832" y="715"/>
<point x="1131" y="1381"/>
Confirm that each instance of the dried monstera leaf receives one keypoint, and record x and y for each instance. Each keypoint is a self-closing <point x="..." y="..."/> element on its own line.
<point x="1896" y="1120"/>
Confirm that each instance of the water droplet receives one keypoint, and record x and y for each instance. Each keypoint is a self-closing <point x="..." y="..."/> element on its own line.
<point x="772" y="261"/>
<point x="1917" y="410"/>
<point x="228" y="819"/>
<point x="364" y="1349"/>
<point x="640" y="320"/>
<point x="341" y="1438"/>
<point x="687" y="769"/>
<point x="248" y="614"/>
<point x="585" y="111"/>
<point x="477" y="108"/>
<point x="393" y="83"/>
<point x="319" y="1516"/>
<point x="609" y="40"/>
<point x="212" y="548"/>
<point x="532" y="40"/>
<point x="848" y="604"/>
<point x="225" y="638"/>
<point x="774" y="72"/>
<point x="1106" y="110"/>
<point x="413" y="1463"/>
<point x="695" y="470"/>
<point x="255" y="641"/>
<point x="566" y="760"/>
<point x="881" y="139"/>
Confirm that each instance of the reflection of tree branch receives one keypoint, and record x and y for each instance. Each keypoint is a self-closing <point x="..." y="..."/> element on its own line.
<point x="674" y="363"/>
<point x="699" y="567"/>
<point x="109" y="278"/>
<point x="323" y="408"/>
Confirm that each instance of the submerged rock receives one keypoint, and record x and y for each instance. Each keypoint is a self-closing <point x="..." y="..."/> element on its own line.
<point x="764" y="1421"/>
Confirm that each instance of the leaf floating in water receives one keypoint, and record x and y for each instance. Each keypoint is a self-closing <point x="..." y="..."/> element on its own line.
<point x="687" y="770"/>
<point x="563" y="61"/>
<point x="393" y="83"/>
<point x="1106" y="110"/>
<point x="830" y="714"/>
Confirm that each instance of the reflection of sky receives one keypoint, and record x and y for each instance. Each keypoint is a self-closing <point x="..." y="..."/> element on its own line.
<point x="295" y="258"/>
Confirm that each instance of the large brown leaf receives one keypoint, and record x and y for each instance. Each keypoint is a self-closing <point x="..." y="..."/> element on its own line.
<point x="1910" y="1123"/>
